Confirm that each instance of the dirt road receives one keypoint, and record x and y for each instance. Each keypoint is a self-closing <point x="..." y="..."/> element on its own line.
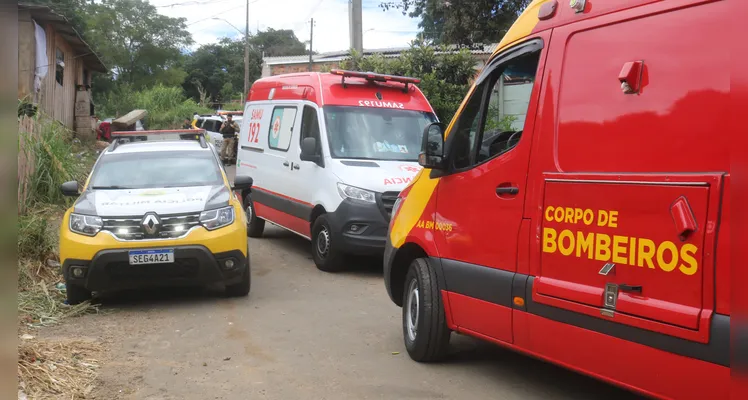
<point x="301" y="334"/>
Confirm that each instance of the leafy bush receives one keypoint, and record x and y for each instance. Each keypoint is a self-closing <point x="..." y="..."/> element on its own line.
<point x="55" y="162"/>
<point x="445" y="76"/>
<point x="167" y="106"/>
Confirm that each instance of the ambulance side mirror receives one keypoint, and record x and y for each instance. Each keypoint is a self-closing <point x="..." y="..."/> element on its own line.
<point x="309" y="150"/>
<point x="432" y="147"/>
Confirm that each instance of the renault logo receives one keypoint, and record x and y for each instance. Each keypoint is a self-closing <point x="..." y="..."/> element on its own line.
<point x="150" y="223"/>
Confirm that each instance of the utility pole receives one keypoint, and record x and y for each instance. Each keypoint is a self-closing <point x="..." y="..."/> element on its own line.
<point x="246" y="58"/>
<point x="355" y="22"/>
<point x="311" y="41"/>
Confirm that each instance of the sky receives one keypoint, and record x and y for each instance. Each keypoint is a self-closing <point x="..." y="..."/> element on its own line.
<point x="381" y="29"/>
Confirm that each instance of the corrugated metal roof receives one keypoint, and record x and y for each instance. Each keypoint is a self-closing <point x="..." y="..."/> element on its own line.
<point x="337" y="56"/>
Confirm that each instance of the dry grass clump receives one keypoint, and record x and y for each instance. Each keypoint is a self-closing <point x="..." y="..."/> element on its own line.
<point x="54" y="369"/>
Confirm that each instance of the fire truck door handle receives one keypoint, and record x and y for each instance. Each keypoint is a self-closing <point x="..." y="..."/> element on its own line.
<point x="630" y="288"/>
<point x="511" y="190"/>
<point x="286" y="164"/>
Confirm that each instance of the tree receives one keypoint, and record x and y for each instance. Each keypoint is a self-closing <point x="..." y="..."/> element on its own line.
<point x="275" y="43"/>
<point x="461" y="22"/>
<point x="445" y="76"/>
<point x="141" y="46"/>
<point x="218" y="70"/>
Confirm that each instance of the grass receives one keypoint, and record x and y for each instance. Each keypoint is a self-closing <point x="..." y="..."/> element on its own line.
<point x="54" y="369"/>
<point x="49" y="369"/>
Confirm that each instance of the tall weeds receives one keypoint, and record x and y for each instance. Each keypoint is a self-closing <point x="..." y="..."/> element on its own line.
<point x="167" y="106"/>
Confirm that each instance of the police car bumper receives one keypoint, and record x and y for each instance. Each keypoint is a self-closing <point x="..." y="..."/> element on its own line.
<point x="359" y="228"/>
<point x="193" y="265"/>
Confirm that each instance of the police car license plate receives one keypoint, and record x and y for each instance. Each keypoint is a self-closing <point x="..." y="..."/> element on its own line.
<point x="154" y="256"/>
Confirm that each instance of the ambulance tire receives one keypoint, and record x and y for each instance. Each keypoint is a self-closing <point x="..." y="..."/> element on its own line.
<point x="76" y="294"/>
<point x="255" y="225"/>
<point x="424" y="324"/>
<point x="327" y="256"/>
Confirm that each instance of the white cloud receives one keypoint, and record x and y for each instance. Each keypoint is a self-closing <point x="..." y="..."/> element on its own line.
<point x="381" y="29"/>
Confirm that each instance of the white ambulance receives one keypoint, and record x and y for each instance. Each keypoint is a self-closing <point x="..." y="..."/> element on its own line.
<point x="329" y="153"/>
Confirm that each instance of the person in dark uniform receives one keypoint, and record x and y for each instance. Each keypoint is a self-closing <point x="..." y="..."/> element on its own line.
<point x="228" y="130"/>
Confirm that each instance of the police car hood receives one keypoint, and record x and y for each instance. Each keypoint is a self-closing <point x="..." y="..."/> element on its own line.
<point x="375" y="175"/>
<point x="136" y="202"/>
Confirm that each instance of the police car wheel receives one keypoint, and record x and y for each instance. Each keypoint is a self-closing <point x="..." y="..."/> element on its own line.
<point x="325" y="251"/>
<point x="242" y="288"/>
<point x="76" y="294"/>
<point x="255" y="225"/>
<point x="424" y="324"/>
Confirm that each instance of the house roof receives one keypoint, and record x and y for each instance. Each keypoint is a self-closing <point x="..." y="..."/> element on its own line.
<point x="337" y="56"/>
<point x="45" y="15"/>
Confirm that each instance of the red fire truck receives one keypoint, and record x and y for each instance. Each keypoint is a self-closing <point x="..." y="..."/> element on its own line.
<point x="577" y="207"/>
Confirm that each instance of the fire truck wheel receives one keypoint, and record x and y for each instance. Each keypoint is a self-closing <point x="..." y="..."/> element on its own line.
<point x="424" y="325"/>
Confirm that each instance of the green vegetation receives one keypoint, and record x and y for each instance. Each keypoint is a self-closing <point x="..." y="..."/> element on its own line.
<point x="167" y="106"/>
<point x="54" y="159"/>
<point x="445" y="77"/>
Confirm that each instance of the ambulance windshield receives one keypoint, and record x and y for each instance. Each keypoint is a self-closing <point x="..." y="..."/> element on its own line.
<point x="375" y="133"/>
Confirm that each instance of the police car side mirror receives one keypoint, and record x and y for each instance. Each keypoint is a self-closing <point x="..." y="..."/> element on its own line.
<point x="309" y="150"/>
<point x="70" y="188"/>
<point x="242" y="182"/>
<point x="432" y="147"/>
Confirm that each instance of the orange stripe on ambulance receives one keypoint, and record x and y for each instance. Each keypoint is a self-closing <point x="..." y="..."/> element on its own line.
<point x="619" y="249"/>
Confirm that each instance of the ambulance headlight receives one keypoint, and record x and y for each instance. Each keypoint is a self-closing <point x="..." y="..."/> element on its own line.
<point x="88" y="225"/>
<point x="350" y="192"/>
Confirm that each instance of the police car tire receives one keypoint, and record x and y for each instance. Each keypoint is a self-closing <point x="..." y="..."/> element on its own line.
<point x="242" y="288"/>
<point x="77" y="294"/>
<point x="334" y="261"/>
<point x="255" y="226"/>
<point x="432" y="334"/>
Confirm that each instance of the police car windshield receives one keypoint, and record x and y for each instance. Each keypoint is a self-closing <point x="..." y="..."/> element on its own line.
<point x="375" y="133"/>
<point x="156" y="170"/>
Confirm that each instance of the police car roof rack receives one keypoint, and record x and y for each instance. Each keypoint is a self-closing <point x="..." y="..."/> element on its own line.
<point x="372" y="77"/>
<point x="122" y="137"/>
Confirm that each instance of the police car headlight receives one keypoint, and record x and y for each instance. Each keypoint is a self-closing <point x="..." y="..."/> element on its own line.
<point x="350" y="192"/>
<point x="88" y="225"/>
<point x="218" y="218"/>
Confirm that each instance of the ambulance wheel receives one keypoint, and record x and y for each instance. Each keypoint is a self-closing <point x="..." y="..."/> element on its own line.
<point x="326" y="254"/>
<point x="255" y="225"/>
<point x="424" y="324"/>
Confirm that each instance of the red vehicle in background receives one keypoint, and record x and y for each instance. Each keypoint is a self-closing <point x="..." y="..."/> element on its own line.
<point x="577" y="208"/>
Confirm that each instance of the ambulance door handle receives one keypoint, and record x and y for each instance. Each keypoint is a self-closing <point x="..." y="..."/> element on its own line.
<point x="295" y="166"/>
<point x="286" y="164"/>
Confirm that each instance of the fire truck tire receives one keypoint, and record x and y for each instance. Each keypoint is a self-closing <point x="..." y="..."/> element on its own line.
<point x="424" y="325"/>
<point x="255" y="225"/>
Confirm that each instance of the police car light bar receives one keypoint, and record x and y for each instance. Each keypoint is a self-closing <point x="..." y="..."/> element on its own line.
<point x="168" y="134"/>
<point x="372" y="77"/>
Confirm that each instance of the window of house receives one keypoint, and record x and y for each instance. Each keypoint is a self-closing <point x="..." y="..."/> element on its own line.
<point x="281" y="128"/>
<point x="492" y="121"/>
<point x="310" y="125"/>
<point x="59" y="66"/>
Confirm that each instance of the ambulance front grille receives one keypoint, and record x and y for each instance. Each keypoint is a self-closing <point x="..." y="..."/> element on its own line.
<point x="387" y="201"/>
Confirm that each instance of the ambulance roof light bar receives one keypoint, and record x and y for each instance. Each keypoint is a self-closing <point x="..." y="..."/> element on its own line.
<point x="121" y="137"/>
<point x="373" y="77"/>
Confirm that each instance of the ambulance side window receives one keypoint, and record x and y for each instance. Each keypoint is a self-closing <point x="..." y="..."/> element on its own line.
<point x="492" y="121"/>
<point x="281" y="127"/>
<point x="310" y="125"/>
